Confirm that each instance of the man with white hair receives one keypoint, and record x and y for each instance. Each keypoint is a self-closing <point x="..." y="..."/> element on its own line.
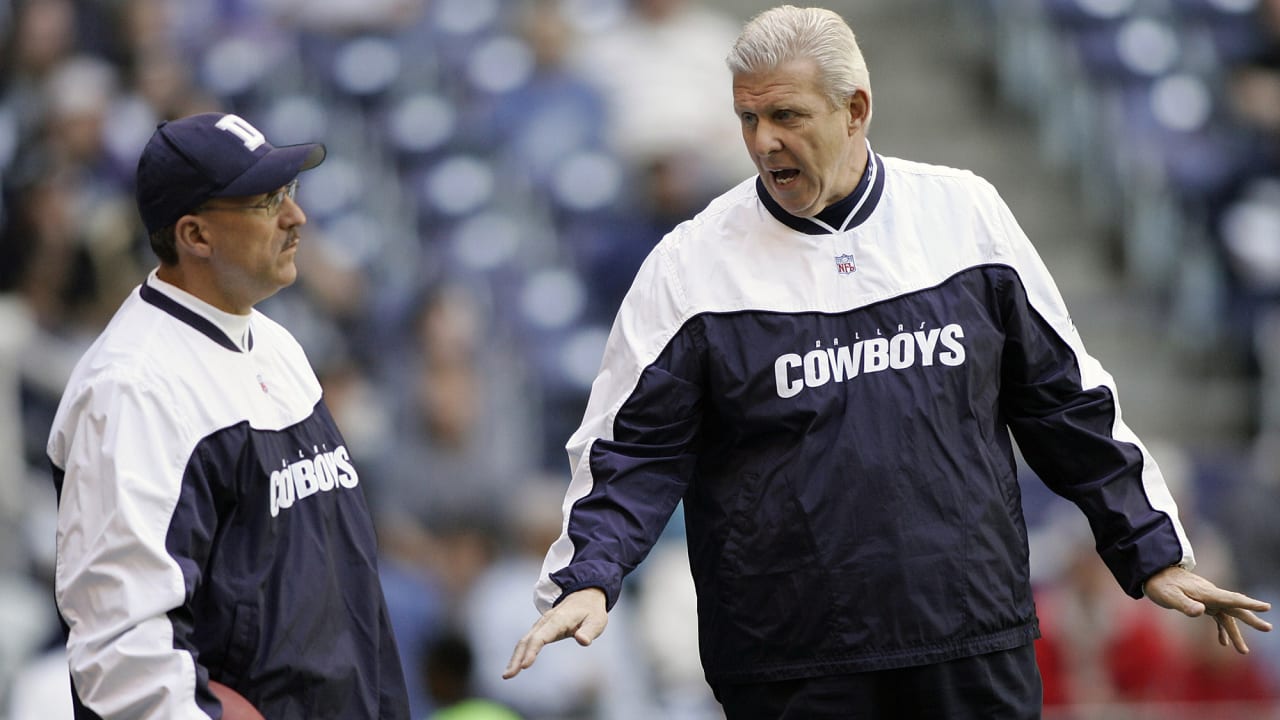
<point x="829" y="365"/>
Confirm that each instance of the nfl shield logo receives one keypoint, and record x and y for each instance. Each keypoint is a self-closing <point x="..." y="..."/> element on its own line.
<point x="844" y="264"/>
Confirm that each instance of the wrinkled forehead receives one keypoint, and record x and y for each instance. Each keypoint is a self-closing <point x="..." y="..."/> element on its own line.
<point x="794" y="81"/>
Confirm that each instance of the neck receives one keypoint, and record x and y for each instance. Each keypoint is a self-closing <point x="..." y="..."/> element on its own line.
<point x="195" y="283"/>
<point x="858" y="168"/>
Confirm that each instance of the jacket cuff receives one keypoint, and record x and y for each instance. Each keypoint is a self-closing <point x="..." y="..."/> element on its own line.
<point x="607" y="579"/>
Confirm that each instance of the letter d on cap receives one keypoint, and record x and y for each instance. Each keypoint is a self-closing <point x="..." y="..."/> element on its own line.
<point x="241" y="128"/>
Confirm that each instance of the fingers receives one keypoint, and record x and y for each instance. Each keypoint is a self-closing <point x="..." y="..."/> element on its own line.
<point x="1227" y="626"/>
<point x="1228" y="599"/>
<point x="581" y="615"/>
<point x="1193" y="596"/>
<point x="526" y="651"/>
<point x="1237" y="606"/>
<point x="1249" y="619"/>
<point x="1229" y="631"/>
<point x="1228" y="610"/>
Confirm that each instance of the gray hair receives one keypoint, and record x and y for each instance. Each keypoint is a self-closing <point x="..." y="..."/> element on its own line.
<point x="786" y="33"/>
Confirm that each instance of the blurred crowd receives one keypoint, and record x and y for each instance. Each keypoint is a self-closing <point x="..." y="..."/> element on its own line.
<point x="497" y="170"/>
<point x="1167" y="112"/>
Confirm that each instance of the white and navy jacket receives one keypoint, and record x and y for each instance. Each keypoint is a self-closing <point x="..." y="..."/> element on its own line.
<point x="211" y="525"/>
<point x="833" y="400"/>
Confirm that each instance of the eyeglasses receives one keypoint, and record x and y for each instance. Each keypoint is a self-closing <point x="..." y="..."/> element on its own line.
<point x="271" y="203"/>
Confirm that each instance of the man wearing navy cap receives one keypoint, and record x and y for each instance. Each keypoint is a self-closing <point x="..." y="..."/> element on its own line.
<point x="215" y="556"/>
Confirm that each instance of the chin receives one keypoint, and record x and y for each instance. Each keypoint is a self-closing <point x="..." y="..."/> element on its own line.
<point x="799" y="207"/>
<point x="804" y="211"/>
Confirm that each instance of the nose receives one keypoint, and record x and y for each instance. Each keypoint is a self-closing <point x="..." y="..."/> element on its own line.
<point x="765" y="140"/>
<point x="291" y="214"/>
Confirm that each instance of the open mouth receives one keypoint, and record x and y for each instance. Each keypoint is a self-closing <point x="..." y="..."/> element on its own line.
<point x="784" y="177"/>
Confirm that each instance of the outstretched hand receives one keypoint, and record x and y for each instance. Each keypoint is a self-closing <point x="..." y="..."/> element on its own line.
<point x="1188" y="593"/>
<point x="581" y="615"/>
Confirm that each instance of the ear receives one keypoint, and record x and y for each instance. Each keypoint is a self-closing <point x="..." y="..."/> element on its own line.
<point x="859" y="111"/>
<point x="191" y="236"/>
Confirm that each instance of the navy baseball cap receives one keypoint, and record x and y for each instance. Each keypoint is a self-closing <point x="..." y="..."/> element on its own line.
<point x="210" y="155"/>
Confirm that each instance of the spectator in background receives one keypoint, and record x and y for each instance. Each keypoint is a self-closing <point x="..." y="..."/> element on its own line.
<point x="81" y="98"/>
<point x="160" y="82"/>
<point x="449" y="668"/>
<point x="43" y="33"/>
<point x="462" y="412"/>
<point x="69" y="240"/>
<point x="667" y="630"/>
<point x="1253" y="98"/>
<point x="554" y="114"/>
<point x="1098" y="650"/>
<point x="344" y="17"/>
<point x="1254" y="503"/>
<point x="551" y="125"/>
<point x="443" y="484"/>
<point x="40" y="689"/>
<point x="1247" y="222"/>
<point x="611" y="683"/>
<point x="659" y="68"/>
<point x="1255" y="80"/>
<point x="40" y="238"/>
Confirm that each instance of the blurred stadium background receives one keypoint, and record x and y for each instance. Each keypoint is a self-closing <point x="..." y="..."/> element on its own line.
<point x="498" y="169"/>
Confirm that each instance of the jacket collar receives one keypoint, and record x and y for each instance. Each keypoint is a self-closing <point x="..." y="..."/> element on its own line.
<point x="841" y="215"/>
<point x="213" y="323"/>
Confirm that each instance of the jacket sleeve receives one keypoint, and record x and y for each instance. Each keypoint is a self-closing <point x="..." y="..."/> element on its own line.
<point x="632" y="457"/>
<point x="1062" y="409"/>
<point x="122" y="595"/>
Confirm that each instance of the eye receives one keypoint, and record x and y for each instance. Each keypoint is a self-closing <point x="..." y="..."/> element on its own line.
<point x="747" y="118"/>
<point x="274" y="201"/>
<point x="785" y="115"/>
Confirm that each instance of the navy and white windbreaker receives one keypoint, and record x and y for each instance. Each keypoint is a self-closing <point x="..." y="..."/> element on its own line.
<point x="211" y="526"/>
<point x="833" y="400"/>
